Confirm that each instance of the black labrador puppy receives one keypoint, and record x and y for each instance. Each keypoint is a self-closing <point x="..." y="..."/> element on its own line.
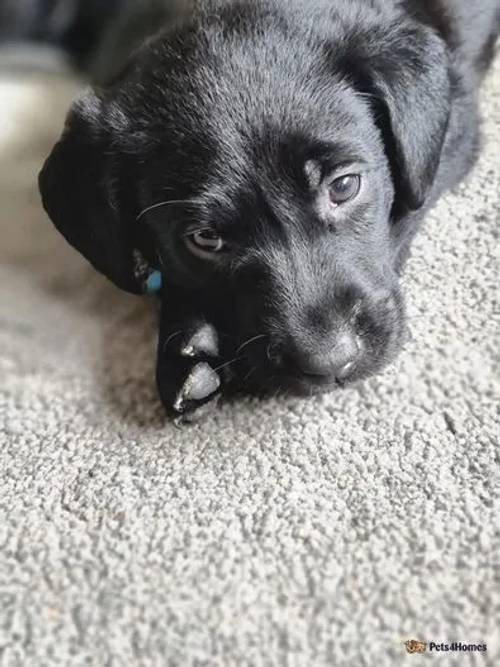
<point x="273" y="159"/>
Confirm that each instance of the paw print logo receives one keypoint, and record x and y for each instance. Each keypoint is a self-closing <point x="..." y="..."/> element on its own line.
<point x="414" y="646"/>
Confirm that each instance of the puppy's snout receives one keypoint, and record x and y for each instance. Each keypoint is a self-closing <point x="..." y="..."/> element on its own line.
<point x="336" y="361"/>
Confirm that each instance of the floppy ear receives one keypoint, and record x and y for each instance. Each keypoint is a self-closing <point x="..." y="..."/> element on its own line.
<point x="406" y="71"/>
<point x="82" y="194"/>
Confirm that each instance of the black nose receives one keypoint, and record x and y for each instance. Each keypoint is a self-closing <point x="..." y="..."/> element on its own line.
<point x="338" y="362"/>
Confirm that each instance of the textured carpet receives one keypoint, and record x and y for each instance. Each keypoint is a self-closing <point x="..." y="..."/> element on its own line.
<point x="301" y="533"/>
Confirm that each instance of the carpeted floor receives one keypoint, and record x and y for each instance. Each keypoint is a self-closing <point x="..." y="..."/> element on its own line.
<point x="324" y="532"/>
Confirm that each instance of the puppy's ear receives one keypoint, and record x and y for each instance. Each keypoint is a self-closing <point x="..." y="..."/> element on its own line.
<point x="82" y="193"/>
<point x="405" y="69"/>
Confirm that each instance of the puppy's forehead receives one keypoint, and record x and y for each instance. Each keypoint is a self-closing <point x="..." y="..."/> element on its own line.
<point x="245" y="117"/>
<point x="234" y="88"/>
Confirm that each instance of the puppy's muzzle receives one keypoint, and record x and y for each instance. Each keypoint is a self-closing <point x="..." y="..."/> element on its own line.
<point x="334" y="362"/>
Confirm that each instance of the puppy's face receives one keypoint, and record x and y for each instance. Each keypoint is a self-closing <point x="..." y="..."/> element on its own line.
<point x="286" y="239"/>
<point x="266" y="173"/>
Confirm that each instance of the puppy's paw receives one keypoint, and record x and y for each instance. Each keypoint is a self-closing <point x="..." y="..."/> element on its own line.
<point x="201" y="342"/>
<point x="199" y="393"/>
<point x="197" y="413"/>
<point x="188" y="384"/>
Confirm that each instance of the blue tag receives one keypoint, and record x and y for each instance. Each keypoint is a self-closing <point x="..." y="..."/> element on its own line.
<point x="154" y="283"/>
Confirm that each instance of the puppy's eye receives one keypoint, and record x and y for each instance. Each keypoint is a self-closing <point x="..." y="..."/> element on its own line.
<point x="206" y="241"/>
<point x="345" y="188"/>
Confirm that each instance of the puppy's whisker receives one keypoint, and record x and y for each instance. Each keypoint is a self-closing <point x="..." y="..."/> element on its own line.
<point x="169" y="339"/>
<point x="170" y="202"/>
<point x="249" y="374"/>
<point x="249" y="342"/>
<point x="228" y="363"/>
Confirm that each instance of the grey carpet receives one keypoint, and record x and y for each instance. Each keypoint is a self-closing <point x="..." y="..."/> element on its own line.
<point x="320" y="532"/>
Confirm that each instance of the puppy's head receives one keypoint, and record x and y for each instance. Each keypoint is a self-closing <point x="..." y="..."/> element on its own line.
<point x="269" y="161"/>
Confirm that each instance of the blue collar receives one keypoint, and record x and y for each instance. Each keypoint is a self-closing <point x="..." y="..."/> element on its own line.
<point x="154" y="283"/>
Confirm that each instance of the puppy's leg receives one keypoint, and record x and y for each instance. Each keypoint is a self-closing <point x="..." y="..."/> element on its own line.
<point x="188" y="358"/>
